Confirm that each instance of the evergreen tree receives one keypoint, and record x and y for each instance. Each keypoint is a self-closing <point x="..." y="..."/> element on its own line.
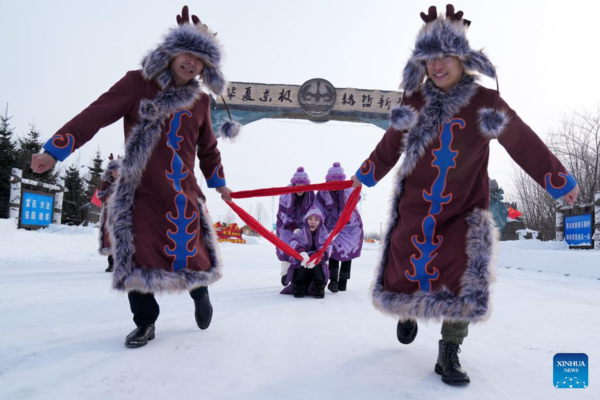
<point x="7" y="162"/>
<point x="31" y="144"/>
<point x="94" y="176"/>
<point x="74" y="198"/>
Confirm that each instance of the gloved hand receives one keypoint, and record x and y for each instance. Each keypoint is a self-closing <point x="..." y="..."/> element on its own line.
<point x="310" y="264"/>
<point x="305" y="258"/>
<point x="297" y="230"/>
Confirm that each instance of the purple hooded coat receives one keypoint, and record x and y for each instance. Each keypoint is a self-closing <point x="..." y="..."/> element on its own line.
<point x="292" y="209"/>
<point x="302" y="241"/>
<point x="348" y="244"/>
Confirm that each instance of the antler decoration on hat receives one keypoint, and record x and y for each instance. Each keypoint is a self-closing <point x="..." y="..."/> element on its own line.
<point x="456" y="17"/>
<point x="184" y="18"/>
<point x="431" y="16"/>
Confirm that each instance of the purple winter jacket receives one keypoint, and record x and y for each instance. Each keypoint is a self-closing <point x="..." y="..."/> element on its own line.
<point x="292" y="209"/>
<point x="348" y="244"/>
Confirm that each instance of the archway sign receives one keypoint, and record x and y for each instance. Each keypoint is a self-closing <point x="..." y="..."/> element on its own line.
<point x="316" y="100"/>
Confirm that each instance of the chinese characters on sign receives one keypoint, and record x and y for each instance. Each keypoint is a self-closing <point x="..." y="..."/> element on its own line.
<point x="36" y="209"/>
<point x="291" y="96"/>
<point x="578" y="230"/>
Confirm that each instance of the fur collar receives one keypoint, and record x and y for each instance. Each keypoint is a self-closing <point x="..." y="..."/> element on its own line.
<point x="439" y="107"/>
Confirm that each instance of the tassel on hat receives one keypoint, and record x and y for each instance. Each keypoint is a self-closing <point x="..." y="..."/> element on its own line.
<point x="230" y="129"/>
<point x="403" y="118"/>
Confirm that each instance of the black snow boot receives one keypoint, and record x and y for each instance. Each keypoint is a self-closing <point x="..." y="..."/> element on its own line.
<point x="333" y="286"/>
<point x="283" y="278"/>
<point x="298" y="290"/>
<point x="342" y="285"/>
<point x="448" y="365"/>
<point x="140" y="336"/>
<point x="407" y="331"/>
<point x="319" y="290"/>
<point x="203" y="309"/>
<point x="111" y="264"/>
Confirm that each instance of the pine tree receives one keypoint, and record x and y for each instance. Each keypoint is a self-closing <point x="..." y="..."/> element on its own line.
<point x="7" y="162"/>
<point x="74" y="198"/>
<point x="94" y="176"/>
<point x="27" y="146"/>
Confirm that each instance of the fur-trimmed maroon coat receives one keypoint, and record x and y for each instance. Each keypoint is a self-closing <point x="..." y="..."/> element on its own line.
<point x="437" y="258"/>
<point x="162" y="237"/>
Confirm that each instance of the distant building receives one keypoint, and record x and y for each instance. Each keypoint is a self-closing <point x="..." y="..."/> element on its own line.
<point x="246" y="230"/>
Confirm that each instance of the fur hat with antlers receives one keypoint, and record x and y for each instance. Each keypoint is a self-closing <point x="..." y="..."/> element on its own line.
<point x="442" y="36"/>
<point x="194" y="38"/>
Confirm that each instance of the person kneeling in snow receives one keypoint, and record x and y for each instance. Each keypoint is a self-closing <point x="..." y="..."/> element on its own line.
<point x="304" y="276"/>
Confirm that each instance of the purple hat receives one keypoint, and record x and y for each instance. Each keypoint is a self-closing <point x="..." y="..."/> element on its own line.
<point x="300" y="177"/>
<point x="314" y="212"/>
<point x="335" y="173"/>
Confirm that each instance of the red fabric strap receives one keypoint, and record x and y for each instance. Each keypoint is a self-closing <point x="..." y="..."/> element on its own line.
<point x="264" y="232"/>
<point x="341" y="222"/>
<point x="337" y="185"/>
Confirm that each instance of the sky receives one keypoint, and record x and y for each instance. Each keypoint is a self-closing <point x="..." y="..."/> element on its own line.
<point x="59" y="56"/>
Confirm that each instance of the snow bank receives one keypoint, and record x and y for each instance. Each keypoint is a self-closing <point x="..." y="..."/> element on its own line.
<point x="53" y="244"/>
<point x="552" y="257"/>
<point x="75" y="243"/>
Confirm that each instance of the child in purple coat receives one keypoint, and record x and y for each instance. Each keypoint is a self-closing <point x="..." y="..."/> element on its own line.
<point x="290" y="216"/>
<point x="304" y="276"/>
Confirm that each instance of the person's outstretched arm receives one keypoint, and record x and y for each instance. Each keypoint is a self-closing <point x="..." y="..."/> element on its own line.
<point x="107" y="109"/>
<point x="210" y="158"/>
<point x="531" y="154"/>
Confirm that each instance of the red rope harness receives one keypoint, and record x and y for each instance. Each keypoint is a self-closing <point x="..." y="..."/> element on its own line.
<point x="264" y="232"/>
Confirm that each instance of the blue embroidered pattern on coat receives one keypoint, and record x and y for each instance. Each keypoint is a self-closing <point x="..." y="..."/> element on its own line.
<point x="180" y="237"/>
<point x="559" y="191"/>
<point x="444" y="159"/>
<point x="366" y="173"/>
<point x="217" y="179"/>
<point x="60" y="146"/>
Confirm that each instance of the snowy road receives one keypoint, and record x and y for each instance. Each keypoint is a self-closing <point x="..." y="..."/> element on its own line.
<point x="63" y="331"/>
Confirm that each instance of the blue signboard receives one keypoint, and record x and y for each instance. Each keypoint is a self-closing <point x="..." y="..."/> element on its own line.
<point x="36" y="209"/>
<point x="578" y="230"/>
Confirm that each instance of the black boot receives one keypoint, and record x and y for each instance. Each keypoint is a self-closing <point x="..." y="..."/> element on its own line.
<point x="298" y="290"/>
<point x="344" y="275"/>
<point x="448" y="365"/>
<point x="333" y="286"/>
<point x="203" y="309"/>
<point x="283" y="278"/>
<point x="407" y="331"/>
<point x="111" y="264"/>
<point x="319" y="290"/>
<point x="140" y="336"/>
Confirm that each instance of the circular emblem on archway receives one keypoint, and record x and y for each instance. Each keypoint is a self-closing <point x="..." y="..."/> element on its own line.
<point x="316" y="97"/>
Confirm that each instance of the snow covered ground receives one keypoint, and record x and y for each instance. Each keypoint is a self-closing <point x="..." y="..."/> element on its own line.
<point x="62" y="331"/>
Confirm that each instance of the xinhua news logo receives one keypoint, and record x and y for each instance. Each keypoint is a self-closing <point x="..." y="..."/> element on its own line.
<point x="571" y="371"/>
